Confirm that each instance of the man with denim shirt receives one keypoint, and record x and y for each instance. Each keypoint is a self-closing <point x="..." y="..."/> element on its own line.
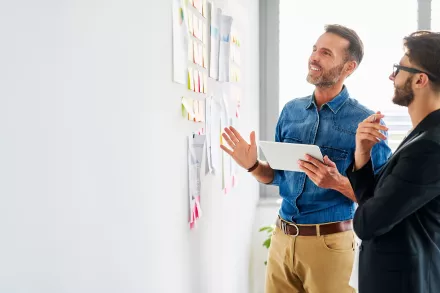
<point x="312" y="248"/>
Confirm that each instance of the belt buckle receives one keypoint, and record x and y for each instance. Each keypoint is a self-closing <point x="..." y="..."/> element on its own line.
<point x="284" y="228"/>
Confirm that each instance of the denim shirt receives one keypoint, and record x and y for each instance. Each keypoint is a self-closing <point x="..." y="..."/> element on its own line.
<point x="333" y="129"/>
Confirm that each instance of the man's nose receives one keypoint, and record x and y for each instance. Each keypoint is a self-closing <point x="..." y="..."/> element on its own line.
<point x="314" y="58"/>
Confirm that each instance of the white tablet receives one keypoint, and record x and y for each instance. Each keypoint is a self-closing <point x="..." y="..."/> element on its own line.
<point x="285" y="156"/>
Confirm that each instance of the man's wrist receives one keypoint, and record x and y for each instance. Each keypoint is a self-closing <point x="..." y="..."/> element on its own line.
<point x="346" y="189"/>
<point x="360" y="159"/>
<point x="255" y="166"/>
<point x="358" y="153"/>
<point x="343" y="185"/>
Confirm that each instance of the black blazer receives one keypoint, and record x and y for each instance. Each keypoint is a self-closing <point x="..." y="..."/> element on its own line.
<point x="398" y="217"/>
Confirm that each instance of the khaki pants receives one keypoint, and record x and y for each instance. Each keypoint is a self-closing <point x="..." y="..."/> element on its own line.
<point x="312" y="264"/>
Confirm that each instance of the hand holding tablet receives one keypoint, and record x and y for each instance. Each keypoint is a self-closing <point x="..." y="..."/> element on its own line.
<point x="285" y="156"/>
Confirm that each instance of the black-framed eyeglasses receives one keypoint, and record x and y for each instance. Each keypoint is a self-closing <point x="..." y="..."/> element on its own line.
<point x="397" y="68"/>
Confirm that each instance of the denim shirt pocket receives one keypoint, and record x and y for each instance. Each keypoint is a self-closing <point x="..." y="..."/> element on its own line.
<point x="292" y="140"/>
<point x="338" y="156"/>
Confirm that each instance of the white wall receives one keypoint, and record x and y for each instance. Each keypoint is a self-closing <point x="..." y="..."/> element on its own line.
<point x="93" y="155"/>
<point x="266" y="215"/>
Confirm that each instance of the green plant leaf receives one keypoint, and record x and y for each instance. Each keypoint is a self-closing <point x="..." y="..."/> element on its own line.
<point x="265" y="228"/>
<point x="266" y="243"/>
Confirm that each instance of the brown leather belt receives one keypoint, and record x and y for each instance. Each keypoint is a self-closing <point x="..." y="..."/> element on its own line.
<point x="312" y="230"/>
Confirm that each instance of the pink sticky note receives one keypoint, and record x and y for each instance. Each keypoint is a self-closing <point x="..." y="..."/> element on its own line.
<point x="196" y="211"/>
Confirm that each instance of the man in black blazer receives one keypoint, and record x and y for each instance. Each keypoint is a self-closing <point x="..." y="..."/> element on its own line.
<point x="398" y="218"/>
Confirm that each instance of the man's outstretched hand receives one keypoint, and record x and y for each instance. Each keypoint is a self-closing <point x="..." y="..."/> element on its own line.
<point x="243" y="153"/>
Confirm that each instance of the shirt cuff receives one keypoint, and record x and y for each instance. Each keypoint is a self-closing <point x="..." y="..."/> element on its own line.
<point x="276" y="177"/>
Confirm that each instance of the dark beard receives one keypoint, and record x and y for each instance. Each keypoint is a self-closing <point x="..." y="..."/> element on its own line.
<point x="328" y="78"/>
<point x="405" y="95"/>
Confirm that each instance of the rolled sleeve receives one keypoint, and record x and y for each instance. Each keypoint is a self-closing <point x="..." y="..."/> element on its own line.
<point x="278" y="177"/>
<point x="380" y="153"/>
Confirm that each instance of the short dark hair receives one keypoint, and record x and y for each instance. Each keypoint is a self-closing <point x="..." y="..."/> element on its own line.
<point x="355" y="50"/>
<point x="423" y="50"/>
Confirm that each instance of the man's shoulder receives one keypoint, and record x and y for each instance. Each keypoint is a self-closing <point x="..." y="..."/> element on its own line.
<point x="357" y="108"/>
<point x="429" y="138"/>
<point x="297" y="103"/>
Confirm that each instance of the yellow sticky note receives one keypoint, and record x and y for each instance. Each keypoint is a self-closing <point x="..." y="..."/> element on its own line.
<point x="190" y="79"/>
<point x="204" y="8"/>
<point x="187" y="108"/>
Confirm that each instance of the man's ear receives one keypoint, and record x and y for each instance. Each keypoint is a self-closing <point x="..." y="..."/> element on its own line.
<point x="350" y="67"/>
<point x="422" y="80"/>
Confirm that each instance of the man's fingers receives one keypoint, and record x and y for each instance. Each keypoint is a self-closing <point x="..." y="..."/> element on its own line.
<point x="228" y="151"/>
<point x="373" y="125"/>
<point x="329" y="162"/>
<point x="231" y="135"/>
<point x="228" y="140"/>
<point x="236" y="133"/>
<point x="373" y="132"/>
<point x="309" y="166"/>
<point x="313" y="161"/>
<point x="252" y="139"/>
<point x="375" y="118"/>
<point x="311" y="175"/>
<point x="367" y="136"/>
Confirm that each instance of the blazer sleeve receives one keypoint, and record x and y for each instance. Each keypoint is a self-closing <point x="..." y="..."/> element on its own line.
<point x="412" y="183"/>
<point x="362" y="181"/>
